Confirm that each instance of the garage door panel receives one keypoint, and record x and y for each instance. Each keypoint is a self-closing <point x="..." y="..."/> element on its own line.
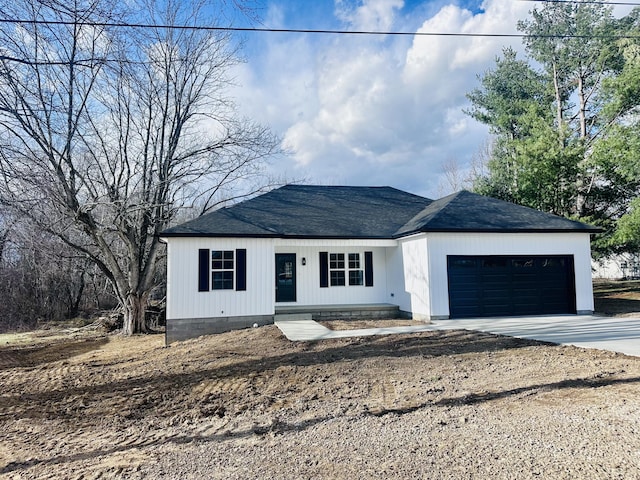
<point x="496" y="310"/>
<point x="467" y="304"/>
<point x="466" y="300"/>
<point x="493" y="263"/>
<point x="468" y="312"/>
<point x="523" y="278"/>
<point x="501" y="285"/>
<point x="526" y="291"/>
<point x="550" y="295"/>
<point x="465" y="282"/>
<point x="498" y="277"/>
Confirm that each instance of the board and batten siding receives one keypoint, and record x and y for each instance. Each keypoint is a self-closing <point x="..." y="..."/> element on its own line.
<point x="439" y="245"/>
<point x="185" y="301"/>
<point x="410" y="272"/>
<point x="415" y="269"/>
<point x="308" y="290"/>
<point x="396" y="291"/>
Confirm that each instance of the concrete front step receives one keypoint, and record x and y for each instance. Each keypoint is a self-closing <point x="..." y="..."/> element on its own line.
<point x="286" y="317"/>
<point x="343" y="312"/>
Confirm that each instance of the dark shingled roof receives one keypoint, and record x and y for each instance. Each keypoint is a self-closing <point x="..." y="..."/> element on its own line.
<point x="302" y="211"/>
<point x="469" y="212"/>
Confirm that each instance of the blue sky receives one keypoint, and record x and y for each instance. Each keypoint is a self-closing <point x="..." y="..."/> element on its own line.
<point x="373" y="110"/>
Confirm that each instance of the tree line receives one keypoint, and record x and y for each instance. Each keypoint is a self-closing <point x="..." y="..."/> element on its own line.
<point x="44" y="280"/>
<point x="565" y="120"/>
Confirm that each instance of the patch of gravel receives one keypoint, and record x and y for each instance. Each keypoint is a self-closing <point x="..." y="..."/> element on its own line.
<point x="463" y="442"/>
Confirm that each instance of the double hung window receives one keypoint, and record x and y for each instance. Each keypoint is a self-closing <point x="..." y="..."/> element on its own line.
<point x="336" y="269"/>
<point x="342" y="269"/>
<point x="222" y="269"/>
<point x="355" y="270"/>
<point x="345" y="266"/>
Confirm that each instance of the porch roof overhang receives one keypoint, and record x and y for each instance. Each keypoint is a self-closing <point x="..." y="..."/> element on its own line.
<point x="334" y="242"/>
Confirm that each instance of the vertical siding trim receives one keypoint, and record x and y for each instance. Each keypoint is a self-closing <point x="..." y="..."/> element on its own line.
<point x="368" y="269"/>
<point x="241" y="269"/>
<point x="204" y="270"/>
<point x="324" y="269"/>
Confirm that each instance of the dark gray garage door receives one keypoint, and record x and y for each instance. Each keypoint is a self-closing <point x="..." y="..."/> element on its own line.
<point x="481" y="286"/>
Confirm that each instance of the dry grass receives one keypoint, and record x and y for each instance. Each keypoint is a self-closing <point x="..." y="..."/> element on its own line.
<point x="620" y="298"/>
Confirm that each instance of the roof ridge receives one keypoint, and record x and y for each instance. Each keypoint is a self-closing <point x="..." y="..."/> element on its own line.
<point x="438" y="210"/>
<point x="368" y="187"/>
<point x="446" y="201"/>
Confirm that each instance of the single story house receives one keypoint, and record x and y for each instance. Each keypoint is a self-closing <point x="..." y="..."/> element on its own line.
<point x="372" y="251"/>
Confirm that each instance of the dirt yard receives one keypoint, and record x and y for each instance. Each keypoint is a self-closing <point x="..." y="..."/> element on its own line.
<point x="250" y="404"/>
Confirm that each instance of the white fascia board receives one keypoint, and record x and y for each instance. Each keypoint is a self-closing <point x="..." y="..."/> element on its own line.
<point x="332" y="242"/>
<point x="413" y="236"/>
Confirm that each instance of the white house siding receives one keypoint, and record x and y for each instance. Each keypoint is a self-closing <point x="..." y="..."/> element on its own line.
<point x="415" y="263"/>
<point x="396" y="291"/>
<point x="439" y="245"/>
<point x="617" y="267"/>
<point x="607" y="268"/>
<point x="184" y="301"/>
<point x="308" y="290"/>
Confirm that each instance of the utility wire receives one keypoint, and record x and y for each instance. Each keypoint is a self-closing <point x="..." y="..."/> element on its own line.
<point x="88" y="62"/>
<point x="313" y="31"/>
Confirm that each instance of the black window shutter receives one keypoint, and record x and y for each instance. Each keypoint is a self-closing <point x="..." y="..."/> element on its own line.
<point x="241" y="269"/>
<point x="204" y="270"/>
<point x="368" y="269"/>
<point x="324" y="269"/>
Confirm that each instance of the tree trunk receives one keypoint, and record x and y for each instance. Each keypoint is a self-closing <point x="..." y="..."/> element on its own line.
<point x="3" y="242"/>
<point x="134" y="314"/>
<point x="75" y="297"/>
<point x="583" y="107"/>
<point x="558" y="94"/>
<point x="580" y="183"/>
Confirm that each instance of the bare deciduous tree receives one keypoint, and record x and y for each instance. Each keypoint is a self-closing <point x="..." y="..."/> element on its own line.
<point x="455" y="177"/>
<point x="107" y="132"/>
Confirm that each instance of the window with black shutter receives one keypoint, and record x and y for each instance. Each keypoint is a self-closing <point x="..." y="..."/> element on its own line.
<point x="222" y="269"/>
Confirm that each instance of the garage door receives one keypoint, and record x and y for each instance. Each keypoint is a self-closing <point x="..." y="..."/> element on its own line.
<point x="481" y="286"/>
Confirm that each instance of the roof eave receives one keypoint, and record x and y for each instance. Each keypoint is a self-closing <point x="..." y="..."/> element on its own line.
<point x="498" y="230"/>
<point x="293" y="237"/>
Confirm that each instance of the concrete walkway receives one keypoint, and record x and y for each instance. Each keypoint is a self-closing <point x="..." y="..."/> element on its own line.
<point x="302" y="328"/>
<point x="604" y="333"/>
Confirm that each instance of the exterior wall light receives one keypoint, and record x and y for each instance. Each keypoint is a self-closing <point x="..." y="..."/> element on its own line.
<point x="304" y="261"/>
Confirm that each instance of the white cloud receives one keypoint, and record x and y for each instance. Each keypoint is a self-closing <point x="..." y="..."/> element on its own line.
<point x="377" y="110"/>
<point x="377" y="15"/>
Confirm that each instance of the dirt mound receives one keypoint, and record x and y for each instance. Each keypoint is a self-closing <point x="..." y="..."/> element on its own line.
<point x="250" y="404"/>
